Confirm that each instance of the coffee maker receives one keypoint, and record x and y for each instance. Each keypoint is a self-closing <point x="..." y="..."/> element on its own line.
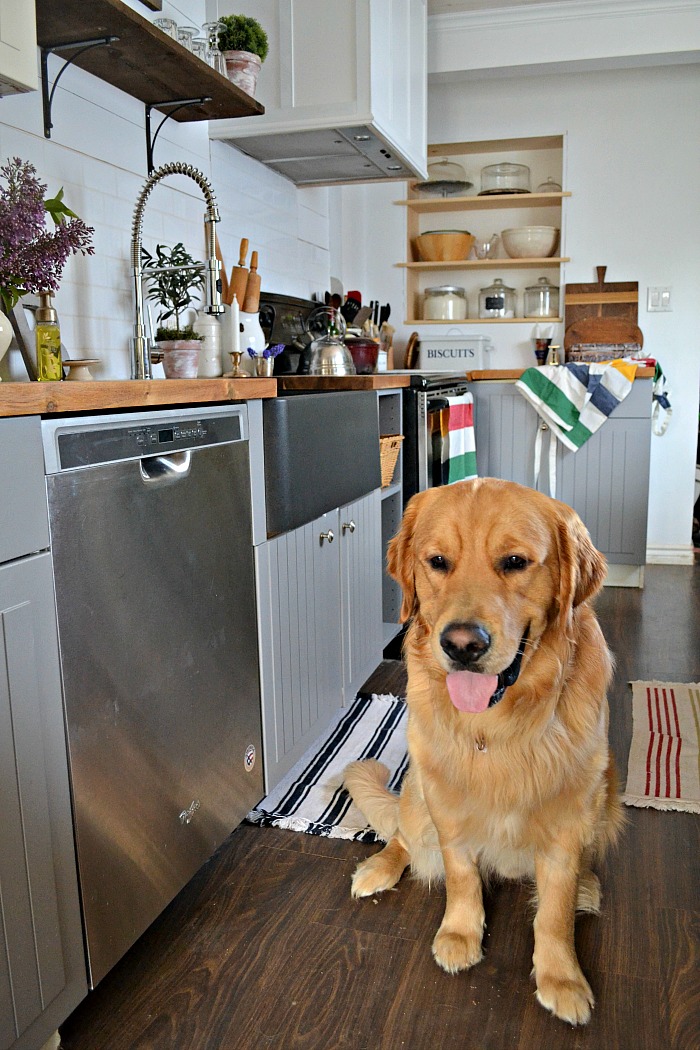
<point x="283" y="319"/>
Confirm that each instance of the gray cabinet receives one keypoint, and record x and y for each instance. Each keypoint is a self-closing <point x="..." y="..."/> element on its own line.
<point x="361" y="591"/>
<point x="606" y="481"/>
<point x="42" y="962"/>
<point x="391" y="423"/>
<point x="319" y="608"/>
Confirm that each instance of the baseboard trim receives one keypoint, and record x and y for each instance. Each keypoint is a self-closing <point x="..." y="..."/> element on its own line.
<point x="625" y="576"/>
<point x="681" y="554"/>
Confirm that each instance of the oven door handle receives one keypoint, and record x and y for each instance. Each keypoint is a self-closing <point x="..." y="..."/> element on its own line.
<point x="165" y="470"/>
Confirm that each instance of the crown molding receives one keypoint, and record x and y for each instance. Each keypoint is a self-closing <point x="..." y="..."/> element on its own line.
<point x="558" y="11"/>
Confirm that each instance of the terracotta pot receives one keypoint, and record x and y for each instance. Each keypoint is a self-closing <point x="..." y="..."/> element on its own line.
<point x="180" y="358"/>
<point x="242" y="69"/>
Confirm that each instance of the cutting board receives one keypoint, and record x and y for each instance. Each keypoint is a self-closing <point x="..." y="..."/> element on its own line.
<point x="618" y="299"/>
<point x="609" y="331"/>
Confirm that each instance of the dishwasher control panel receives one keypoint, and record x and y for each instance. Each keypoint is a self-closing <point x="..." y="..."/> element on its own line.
<point x="73" y="444"/>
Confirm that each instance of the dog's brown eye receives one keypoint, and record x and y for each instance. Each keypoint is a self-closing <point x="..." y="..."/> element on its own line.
<point x="438" y="563"/>
<point x="514" y="563"/>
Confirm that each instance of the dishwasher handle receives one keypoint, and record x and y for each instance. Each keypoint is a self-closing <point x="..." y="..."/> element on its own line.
<point x="165" y="470"/>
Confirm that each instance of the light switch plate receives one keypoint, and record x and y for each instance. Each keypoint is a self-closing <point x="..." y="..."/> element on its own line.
<point x="659" y="300"/>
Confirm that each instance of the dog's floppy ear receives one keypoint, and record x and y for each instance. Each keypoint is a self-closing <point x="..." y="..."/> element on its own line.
<point x="582" y="568"/>
<point x="401" y="558"/>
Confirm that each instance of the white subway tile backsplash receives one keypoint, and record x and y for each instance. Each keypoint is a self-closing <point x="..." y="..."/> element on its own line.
<point x="97" y="153"/>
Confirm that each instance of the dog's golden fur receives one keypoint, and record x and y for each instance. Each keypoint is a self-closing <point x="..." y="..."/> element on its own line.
<point x="527" y="787"/>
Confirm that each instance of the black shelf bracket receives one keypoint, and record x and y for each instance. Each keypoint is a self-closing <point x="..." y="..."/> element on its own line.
<point x="46" y="95"/>
<point x="177" y="104"/>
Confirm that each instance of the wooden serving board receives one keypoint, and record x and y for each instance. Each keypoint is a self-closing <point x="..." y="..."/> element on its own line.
<point x="617" y="299"/>
<point x="609" y="331"/>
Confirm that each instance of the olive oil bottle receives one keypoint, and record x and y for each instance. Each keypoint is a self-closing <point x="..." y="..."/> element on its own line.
<point x="48" y="340"/>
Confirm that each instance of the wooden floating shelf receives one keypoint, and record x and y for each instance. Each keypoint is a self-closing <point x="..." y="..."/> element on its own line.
<point x="488" y="320"/>
<point x="143" y="62"/>
<point x="499" y="200"/>
<point x="487" y="264"/>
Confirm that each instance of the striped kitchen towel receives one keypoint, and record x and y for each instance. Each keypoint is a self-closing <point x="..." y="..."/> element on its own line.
<point x="311" y="797"/>
<point x="462" y="448"/>
<point x="663" y="770"/>
<point x="575" y="399"/>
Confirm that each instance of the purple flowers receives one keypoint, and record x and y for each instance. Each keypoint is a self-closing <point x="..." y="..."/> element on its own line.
<point x="31" y="257"/>
<point x="272" y="351"/>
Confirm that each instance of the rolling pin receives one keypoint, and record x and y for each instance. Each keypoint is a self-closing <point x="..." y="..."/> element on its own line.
<point x="239" y="276"/>
<point x="251" y="302"/>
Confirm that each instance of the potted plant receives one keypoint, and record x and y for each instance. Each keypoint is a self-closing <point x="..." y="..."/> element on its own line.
<point x="176" y="290"/>
<point x="243" y="43"/>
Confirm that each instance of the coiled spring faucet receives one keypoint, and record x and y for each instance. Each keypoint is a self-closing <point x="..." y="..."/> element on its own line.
<point x="141" y="353"/>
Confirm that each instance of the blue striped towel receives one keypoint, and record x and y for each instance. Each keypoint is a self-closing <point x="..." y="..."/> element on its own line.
<point x="575" y="399"/>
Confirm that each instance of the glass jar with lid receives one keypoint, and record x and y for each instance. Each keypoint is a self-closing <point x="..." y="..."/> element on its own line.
<point x="542" y="299"/>
<point x="446" y="302"/>
<point x="498" y="300"/>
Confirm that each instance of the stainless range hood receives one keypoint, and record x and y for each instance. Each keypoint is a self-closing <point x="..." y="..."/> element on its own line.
<point x="344" y="89"/>
<point x="327" y="155"/>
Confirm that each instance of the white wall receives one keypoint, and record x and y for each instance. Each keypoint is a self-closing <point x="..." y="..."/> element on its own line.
<point x="633" y="156"/>
<point x="97" y="153"/>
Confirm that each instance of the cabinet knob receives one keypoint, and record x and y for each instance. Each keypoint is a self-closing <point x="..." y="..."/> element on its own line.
<point x="349" y="526"/>
<point x="327" y="536"/>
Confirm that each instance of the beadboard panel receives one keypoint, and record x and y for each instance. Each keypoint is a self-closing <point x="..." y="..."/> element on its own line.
<point x="299" y="623"/>
<point x="361" y="589"/>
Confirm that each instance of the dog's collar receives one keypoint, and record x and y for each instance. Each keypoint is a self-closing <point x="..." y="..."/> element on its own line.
<point x="510" y="675"/>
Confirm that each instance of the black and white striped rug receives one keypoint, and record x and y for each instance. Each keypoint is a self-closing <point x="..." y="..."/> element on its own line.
<point x="311" y="798"/>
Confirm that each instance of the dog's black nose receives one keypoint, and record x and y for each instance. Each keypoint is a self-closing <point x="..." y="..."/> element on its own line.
<point x="465" y="642"/>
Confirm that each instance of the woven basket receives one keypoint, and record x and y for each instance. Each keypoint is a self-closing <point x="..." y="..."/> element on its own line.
<point x="389" y="448"/>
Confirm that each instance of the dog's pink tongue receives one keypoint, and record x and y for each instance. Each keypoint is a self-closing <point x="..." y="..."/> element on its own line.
<point x="471" y="692"/>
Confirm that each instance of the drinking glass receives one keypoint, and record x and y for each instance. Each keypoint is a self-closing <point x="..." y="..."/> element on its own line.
<point x="199" y="48"/>
<point x="214" y="57"/>
<point x="167" y="26"/>
<point x="186" y="35"/>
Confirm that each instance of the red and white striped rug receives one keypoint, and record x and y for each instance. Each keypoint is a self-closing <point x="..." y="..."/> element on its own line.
<point x="663" y="770"/>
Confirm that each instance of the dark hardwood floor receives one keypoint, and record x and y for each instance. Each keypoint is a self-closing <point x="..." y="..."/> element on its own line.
<point x="265" y="948"/>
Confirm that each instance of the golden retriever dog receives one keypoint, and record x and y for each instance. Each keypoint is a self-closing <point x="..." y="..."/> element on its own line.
<point x="509" y="767"/>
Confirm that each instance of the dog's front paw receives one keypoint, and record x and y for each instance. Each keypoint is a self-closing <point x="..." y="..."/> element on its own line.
<point x="374" y="876"/>
<point x="571" y="999"/>
<point x="456" y="951"/>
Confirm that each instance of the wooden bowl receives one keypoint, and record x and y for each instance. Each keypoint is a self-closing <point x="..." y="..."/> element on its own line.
<point x="443" y="245"/>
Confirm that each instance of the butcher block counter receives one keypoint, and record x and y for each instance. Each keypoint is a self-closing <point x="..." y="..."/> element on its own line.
<point x="493" y="375"/>
<point x="31" y="399"/>
<point x="378" y="381"/>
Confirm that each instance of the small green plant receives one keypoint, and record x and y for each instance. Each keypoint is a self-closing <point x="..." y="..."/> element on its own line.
<point x="240" y="33"/>
<point x="175" y="291"/>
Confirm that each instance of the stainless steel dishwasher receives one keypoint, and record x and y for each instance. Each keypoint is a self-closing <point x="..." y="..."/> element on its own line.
<point x="151" y="538"/>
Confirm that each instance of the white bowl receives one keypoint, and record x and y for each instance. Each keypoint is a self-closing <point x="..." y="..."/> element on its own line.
<point x="530" y="242"/>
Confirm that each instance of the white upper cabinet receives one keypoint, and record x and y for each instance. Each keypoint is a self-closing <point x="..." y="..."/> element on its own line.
<point x="344" y="88"/>
<point x="18" y="68"/>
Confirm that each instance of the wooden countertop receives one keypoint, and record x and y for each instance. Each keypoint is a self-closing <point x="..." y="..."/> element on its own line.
<point x="378" y="381"/>
<point x="31" y="399"/>
<point x="494" y="374"/>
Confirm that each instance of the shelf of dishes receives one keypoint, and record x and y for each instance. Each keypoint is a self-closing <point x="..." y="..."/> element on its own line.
<point x="151" y="62"/>
<point x="486" y="264"/>
<point x="519" y="200"/>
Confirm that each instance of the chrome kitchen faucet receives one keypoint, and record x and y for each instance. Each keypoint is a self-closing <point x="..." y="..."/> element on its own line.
<point x="141" y="355"/>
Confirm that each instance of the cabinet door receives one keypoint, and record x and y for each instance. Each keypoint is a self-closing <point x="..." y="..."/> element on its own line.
<point x="505" y="426"/>
<point x="17" y="46"/>
<point x="606" y="481"/>
<point x="299" y="623"/>
<point x="42" y="965"/>
<point x="361" y="590"/>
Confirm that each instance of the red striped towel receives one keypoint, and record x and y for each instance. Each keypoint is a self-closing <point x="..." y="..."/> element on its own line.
<point x="663" y="769"/>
